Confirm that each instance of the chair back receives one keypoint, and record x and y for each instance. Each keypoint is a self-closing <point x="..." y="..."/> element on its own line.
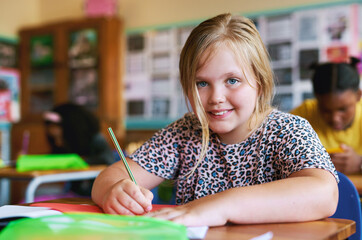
<point x="349" y="204"/>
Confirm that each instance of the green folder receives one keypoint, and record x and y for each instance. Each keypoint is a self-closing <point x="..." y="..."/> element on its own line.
<point x="49" y="162"/>
<point x="93" y="226"/>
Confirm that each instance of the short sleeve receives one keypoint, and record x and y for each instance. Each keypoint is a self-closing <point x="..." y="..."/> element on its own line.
<point x="300" y="148"/>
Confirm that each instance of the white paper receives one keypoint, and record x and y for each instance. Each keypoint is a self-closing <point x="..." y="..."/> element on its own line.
<point x="265" y="236"/>
<point x="197" y="232"/>
<point x="12" y="211"/>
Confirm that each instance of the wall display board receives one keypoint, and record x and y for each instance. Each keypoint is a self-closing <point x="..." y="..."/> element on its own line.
<point x="294" y="39"/>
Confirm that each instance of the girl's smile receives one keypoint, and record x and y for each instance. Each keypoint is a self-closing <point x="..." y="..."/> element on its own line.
<point x="220" y="113"/>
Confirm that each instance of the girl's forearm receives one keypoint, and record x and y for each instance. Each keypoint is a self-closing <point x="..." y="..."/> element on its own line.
<point x="299" y="198"/>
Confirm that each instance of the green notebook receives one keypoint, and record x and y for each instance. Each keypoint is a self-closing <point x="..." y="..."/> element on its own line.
<point x="49" y="162"/>
<point x="93" y="226"/>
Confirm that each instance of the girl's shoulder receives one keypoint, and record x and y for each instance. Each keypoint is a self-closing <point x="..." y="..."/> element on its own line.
<point x="186" y="127"/>
<point x="188" y="121"/>
<point x="279" y="117"/>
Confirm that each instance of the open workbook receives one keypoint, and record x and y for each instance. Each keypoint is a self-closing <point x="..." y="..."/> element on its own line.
<point x="12" y="212"/>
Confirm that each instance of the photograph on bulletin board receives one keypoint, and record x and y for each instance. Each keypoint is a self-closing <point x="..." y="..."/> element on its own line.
<point x="337" y="54"/>
<point x="283" y="76"/>
<point x="83" y="48"/>
<point x="160" y="107"/>
<point x="83" y="89"/>
<point x="308" y="28"/>
<point x="136" y="108"/>
<point x="8" y="54"/>
<point x="41" y="51"/>
<point x="280" y="51"/>
<point x="307" y="57"/>
<point x="337" y="24"/>
<point x="9" y="95"/>
<point x="135" y="43"/>
<point x="283" y="101"/>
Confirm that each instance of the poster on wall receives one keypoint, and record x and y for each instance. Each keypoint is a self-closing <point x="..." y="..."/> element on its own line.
<point x="83" y="48"/>
<point x="337" y="25"/>
<point x="95" y="8"/>
<point x="337" y="54"/>
<point x="9" y="95"/>
<point x="41" y="51"/>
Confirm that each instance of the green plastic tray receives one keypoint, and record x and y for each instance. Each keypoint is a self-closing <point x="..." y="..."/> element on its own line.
<point x="93" y="226"/>
<point x="49" y="162"/>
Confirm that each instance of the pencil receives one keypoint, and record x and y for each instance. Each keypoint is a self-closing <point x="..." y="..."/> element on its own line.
<point x="120" y="153"/>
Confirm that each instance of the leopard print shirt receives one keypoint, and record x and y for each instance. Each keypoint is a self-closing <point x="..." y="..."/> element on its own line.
<point x="282" y="145"/>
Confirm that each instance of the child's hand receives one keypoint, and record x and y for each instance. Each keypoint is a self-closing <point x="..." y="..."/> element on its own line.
<point x="127" y="198"/>
<point x="201" y="212"/>
<point x="347" y="162"/>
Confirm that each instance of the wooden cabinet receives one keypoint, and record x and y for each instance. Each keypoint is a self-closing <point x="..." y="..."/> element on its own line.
<point x="70" y="61"/>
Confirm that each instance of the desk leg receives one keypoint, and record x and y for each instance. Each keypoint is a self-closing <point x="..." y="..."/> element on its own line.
<point x="30" y="190"/>
<point x="4" y="191"/>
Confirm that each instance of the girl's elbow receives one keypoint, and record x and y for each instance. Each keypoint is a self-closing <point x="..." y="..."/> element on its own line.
<point x="331" y="199"/>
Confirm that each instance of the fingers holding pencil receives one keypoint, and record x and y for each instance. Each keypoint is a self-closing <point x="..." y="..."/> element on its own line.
<point x="127" y="198"/>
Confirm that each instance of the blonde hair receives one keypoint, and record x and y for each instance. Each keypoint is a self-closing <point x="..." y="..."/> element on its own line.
<point x="241" y="36"/>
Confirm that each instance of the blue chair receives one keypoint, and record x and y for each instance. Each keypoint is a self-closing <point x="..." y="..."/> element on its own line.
<point x="165" y="193"/>
<point x="349" y="205"/>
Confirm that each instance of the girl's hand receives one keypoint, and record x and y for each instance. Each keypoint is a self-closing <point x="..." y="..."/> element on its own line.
<point x="127" y="198"/>
<point x="201" y="212"/>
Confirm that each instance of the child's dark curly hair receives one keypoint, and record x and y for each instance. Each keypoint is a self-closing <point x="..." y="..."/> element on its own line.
<point x="79" y="127"/>
<point x="335" y="77"/>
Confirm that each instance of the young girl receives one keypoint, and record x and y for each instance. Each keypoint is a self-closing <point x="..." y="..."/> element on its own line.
<point x="234" y="159"/>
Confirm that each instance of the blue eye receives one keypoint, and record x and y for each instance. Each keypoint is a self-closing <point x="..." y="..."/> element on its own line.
<point x="232" y="81"/>
<point x="201" y="84"/>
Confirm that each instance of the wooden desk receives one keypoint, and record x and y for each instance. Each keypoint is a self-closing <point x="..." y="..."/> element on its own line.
<point x="329" y="228"/>
<point x="47" y="176"/>
<point x="357" y="181"/>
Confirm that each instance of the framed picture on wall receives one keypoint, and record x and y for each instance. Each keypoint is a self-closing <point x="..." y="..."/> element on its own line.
<point x="41" y="50"/>
<point x="82" y="50"/>
<point x="8" y="53"/>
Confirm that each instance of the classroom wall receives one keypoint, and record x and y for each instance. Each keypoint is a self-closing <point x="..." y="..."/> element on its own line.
<point x="15" y="13"/>
<point x="138" y="13"/>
